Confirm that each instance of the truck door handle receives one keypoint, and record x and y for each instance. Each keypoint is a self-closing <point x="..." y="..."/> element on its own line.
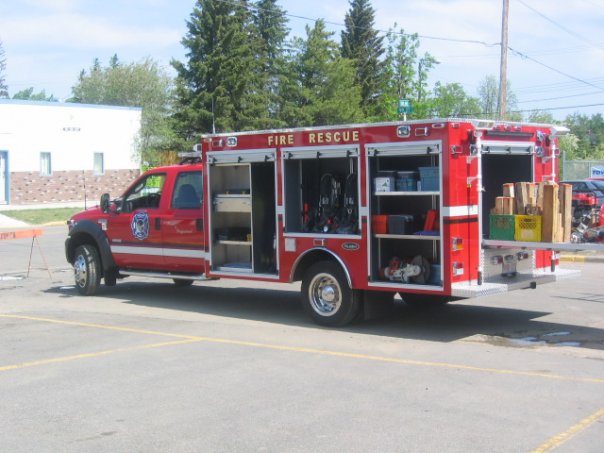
<point x="157" y="223"/>
<point x="199" y="224"/>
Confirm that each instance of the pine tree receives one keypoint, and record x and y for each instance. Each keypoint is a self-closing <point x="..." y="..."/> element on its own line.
<point x="271" y="27"/>
<point x="217" y="87"/>
<point x="361" y="43"/>
<point x="324" y="92"/>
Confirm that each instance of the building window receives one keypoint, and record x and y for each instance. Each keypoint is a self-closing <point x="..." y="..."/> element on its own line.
<point x="45" y="164"/>
<point x="98" y="166"/>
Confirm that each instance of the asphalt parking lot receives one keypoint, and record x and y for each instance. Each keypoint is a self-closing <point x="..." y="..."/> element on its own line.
<point x="146" y="366"/>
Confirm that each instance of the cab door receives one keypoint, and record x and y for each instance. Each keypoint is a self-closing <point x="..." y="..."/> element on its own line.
<point x="134" y="232"/>
<point x="182" y="225"/>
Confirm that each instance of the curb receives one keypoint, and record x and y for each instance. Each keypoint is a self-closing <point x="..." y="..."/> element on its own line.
<point x="581" y="259"/>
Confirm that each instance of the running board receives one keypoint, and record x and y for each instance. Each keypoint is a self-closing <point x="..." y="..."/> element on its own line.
<point x="168" y="275"/>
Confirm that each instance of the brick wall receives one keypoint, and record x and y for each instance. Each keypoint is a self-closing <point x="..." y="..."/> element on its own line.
<point x="65" y="186"/>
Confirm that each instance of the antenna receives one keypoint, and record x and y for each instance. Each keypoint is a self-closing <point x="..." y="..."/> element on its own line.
<point x="85" y="197"/>
<point x="213" y="121"/>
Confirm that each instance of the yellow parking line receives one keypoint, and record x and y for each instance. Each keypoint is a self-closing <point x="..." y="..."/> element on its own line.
<point x="420" y="363"/>
<point x="348" y="355"/>
<point x="98" y="326"/>
<point x="92" y="355"/>
<point x="558" y="440"/>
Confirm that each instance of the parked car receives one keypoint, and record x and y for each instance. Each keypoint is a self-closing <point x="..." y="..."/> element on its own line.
<point x="588" y="196"/>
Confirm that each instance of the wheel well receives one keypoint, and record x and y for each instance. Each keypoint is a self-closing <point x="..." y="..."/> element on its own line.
<point x="313" y="256"/>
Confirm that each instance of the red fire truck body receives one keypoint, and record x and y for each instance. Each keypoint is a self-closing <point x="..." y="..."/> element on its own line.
<point x="358" y="213"/>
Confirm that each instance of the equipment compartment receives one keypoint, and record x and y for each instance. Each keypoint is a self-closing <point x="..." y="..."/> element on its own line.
<point x="322" y="191"/>
<point x="409" y="252"/>
<point x="243" y="218"/>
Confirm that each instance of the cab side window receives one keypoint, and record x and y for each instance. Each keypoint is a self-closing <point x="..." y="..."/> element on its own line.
<point x="187" y="191"/>
<point x="145" y="194"/>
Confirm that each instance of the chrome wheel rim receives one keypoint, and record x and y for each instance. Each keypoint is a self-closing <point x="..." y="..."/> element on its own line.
<point x="325" y="295"/>
<point x="80" y="272"/>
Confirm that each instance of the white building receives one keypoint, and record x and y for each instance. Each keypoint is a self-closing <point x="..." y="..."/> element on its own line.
<point x="54" y="152"/>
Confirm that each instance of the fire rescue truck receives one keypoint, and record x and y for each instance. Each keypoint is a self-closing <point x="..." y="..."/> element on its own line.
<point x="357" y="213"/>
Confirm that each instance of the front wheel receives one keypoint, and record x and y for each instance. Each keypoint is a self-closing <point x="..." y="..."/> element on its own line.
<point x="87" y="269"/>
<point x="326" y="296"/>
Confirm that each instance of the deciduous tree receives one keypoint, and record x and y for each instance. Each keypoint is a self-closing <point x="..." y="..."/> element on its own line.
<point x="29" y="95"/>
<point x="146" y="85"/>
<point x="406" y="76"/>
<point x="3" y="86"/>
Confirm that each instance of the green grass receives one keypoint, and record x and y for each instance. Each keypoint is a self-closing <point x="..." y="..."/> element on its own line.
<point x="42" y="216"/>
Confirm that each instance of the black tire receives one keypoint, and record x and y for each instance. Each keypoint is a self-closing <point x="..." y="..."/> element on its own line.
<point x="182" y="282"/>
<point x="425" y="301"/>
<point x="326" y="296"/>
<point x="87" y="269"/>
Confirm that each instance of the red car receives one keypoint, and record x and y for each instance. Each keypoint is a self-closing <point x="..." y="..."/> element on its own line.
<point x="588" y="196"/>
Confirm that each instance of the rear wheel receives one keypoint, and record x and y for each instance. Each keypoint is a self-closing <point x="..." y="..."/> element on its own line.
<point x="87" y="269"/>
<point x="326" y="296"/>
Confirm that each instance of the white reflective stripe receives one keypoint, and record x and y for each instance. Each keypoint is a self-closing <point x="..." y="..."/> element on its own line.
<point x="186" y="253"/>
<point x="280" y="210"/>
<point x="459" y="211"/>
<point x="158" y="251"/>
<point x="364" y="212"/>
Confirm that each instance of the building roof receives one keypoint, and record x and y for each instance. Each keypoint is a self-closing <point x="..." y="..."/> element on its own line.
<point x="66" y="104"/>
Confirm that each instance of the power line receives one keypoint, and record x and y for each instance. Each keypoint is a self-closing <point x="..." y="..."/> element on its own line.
<point x="560" y="26"/>
<point x="522" y="55"/>
<point x="385" y="32"/>
<point x="566" y="86"/>
<point x="547" y="109"/>
<point x="560" y="97"/>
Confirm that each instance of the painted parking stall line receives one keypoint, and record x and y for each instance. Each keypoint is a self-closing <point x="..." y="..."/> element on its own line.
<point x="185" y="339"/>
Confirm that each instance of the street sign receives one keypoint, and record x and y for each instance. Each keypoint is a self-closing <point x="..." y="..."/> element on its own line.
<point x="404" y="106"/>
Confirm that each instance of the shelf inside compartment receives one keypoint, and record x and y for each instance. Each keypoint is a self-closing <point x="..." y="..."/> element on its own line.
<point x="408" y="236"/>
<point x="235" y="267"/>
<point x="227" y="242"/>
<point x="407" y="194"/>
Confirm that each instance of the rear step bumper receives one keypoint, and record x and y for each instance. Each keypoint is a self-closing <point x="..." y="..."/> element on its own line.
<point x="500" y="284"/>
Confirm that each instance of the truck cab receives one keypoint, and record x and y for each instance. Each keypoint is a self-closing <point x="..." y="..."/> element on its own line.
<point x="156" y="227"/>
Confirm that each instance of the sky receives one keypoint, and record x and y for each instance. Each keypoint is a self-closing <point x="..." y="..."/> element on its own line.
<point x="557" y="62"/>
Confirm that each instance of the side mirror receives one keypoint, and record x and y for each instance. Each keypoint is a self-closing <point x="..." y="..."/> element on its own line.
<point x="105" y="203"/>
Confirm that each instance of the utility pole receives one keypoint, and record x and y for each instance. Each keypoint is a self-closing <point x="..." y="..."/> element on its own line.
<point x="503" y="67"/>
